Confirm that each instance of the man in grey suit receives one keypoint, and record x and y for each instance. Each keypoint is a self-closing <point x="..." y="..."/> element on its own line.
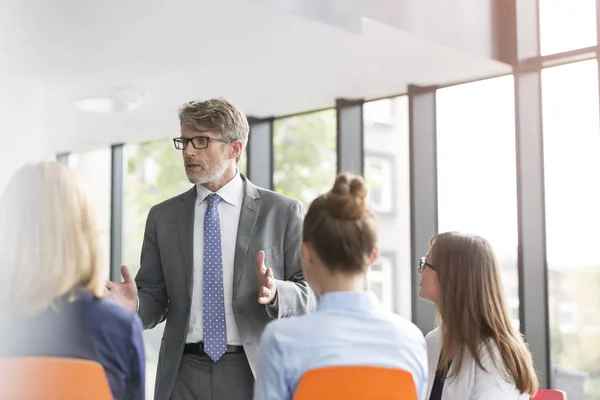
<point x="218" y="263"/>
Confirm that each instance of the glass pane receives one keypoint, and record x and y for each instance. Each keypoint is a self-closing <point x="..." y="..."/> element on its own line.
<point x="477" y="188"/>
<point x="378" y="173"/>
<point x="377" y="267"/>
<point x="572" y="173"/>
<point x="567" y="25"/>
<point x="380" y="281"/>
<point x="93" y="168"/>
<point x="387" y="174"/>
<point x="304" y="148"/>
<point x="243" y="163"/>
<point x="377" y="288"/>
<point x="153" y="172"/>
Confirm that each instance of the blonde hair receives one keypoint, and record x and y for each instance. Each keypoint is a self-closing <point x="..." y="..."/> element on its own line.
<point x="49" y="242"/>
<point x="472" y="309"/>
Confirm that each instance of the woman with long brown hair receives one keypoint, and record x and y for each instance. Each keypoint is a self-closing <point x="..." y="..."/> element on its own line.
<point x="475" y="353"/>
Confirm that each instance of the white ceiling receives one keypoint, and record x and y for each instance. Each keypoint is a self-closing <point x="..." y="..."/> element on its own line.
<point x="267" y="61"/>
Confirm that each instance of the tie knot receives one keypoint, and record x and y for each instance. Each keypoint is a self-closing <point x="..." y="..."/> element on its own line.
<point x="213" y="200"/>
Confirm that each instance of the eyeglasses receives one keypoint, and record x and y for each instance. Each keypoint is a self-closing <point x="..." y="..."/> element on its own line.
<point x="423" y="263"/>
<point x="198" y="142"/>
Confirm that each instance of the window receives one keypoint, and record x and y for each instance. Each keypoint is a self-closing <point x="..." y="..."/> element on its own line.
<point x="386" y="171"/>
<point x="378" y="174"/>
<point x="304" y="148"/>
<point x="380" y="112"/>
<point x="566" y="25"/>
<point x="93" y="169"/>
<point x="572" y="171"/>
<point x="243" y="163"/>
<point x="153" y="172"/>
<point x="567" y="316"/>
<point x="380" y="281"/>
<point x="512" y="299"/>
<point x="477" y="188"/>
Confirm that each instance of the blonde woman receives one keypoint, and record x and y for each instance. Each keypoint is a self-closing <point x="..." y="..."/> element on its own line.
<point x="475" y="353"/>
<point x="52" y="281"/>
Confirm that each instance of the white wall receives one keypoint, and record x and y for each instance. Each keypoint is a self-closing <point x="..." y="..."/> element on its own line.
<point x="465" y="25"/>
<point x="21" y="124"/>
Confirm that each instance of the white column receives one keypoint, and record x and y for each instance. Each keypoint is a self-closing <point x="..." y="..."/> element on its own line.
<point x="21" y="124"/>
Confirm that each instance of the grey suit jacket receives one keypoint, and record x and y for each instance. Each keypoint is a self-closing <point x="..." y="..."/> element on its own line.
<point x="268" y="221"/>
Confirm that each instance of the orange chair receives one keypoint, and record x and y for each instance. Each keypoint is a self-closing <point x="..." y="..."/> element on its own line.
<point x="354" y="383"/>
<point x="549" y="394"/>
<point x="52" y="378"/>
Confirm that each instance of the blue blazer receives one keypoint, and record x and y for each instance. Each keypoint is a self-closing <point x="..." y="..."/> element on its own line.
<point x="87" y="328"/>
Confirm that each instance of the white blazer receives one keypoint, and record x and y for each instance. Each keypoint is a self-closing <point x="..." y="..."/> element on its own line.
<point x="472" y="383"/>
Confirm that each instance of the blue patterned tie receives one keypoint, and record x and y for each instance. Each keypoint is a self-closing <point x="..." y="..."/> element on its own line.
<point x="213" y="317"/>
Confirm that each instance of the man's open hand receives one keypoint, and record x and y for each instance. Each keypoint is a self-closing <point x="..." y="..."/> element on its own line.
<point x="267" y="287"/>
<point x="124" y="292"/>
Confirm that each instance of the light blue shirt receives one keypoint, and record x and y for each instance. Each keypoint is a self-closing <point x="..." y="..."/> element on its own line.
<point x="348" y="328"/>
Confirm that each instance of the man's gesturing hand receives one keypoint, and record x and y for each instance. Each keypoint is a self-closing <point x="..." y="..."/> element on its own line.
<point x="124" y="292"/>
<point x="267" y="287"/>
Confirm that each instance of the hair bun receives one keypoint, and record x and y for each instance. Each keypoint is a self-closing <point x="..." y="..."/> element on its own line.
<point x="348" y="197"/>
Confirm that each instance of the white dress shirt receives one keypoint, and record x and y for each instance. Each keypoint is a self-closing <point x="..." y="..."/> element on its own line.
<point x="472" y="383"/>
<point x="229" y="215"/>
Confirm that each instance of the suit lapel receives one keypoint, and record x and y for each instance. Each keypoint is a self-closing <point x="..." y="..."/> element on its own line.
<point x="248" y="216"/>
<point x="185" y="223"/>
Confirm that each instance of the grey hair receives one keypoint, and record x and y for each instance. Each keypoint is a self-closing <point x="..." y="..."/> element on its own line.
<point x="218" y="116"/>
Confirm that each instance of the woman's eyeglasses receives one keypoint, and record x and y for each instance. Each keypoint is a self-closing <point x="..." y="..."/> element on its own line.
<point x="423" y="263"/>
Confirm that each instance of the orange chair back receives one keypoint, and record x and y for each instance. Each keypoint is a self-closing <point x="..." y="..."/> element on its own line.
<point x="550" y="394"/>
<point x="52" y="378"/>
<point x="356" y="382"/>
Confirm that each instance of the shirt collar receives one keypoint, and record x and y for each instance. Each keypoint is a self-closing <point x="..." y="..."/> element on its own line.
<point x="231" y="192"/>
<point x="349" y="301"/>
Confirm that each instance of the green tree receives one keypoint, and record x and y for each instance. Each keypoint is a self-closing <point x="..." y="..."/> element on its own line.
<point x="305" y="154"/>
<point x="155" y="173"/>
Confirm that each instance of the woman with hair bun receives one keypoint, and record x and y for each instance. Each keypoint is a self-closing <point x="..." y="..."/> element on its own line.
<point x="339" y="244"/>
